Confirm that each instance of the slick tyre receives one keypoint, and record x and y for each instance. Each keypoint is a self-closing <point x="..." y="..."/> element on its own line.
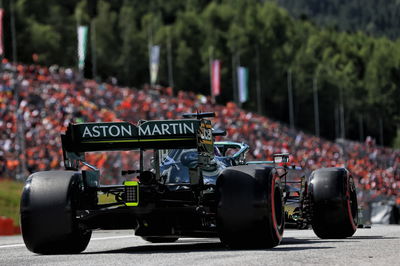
<point x="152" y="239"/>
<point x="48" y="211"/>
<point x="333" y="203"/>
<point x="250" y="211"/>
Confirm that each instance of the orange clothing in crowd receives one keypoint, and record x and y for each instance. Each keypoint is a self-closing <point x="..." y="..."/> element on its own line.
<point x="51" y="98"/>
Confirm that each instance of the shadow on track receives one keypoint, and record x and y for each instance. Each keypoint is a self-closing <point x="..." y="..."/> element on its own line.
<point x="296" y="241"/>
<point x="373" y="237"/>
<point x="183" y="246"/>
<point x="286" y="248"/>
<point x="177" y="247"/>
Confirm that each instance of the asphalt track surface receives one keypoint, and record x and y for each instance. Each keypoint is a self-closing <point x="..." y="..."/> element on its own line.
<point x="379" y="245"/>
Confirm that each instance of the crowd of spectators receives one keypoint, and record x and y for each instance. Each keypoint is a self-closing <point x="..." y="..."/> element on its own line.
<point x="48" y="99"/>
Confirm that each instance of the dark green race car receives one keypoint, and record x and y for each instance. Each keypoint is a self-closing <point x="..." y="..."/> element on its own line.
<point x="194" y="187"/>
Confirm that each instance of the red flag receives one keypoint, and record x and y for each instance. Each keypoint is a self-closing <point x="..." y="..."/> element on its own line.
<point x="216" y="78"/>
<point x="1" y="31"/>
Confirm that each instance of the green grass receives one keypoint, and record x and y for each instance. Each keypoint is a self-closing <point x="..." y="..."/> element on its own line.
<point x="10" y="194"/>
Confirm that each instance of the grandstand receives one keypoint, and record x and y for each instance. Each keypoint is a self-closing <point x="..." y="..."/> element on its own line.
<point x="50" y="98"/>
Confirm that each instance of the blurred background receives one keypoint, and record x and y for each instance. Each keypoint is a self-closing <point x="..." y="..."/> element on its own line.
<point x="317" y="79"/>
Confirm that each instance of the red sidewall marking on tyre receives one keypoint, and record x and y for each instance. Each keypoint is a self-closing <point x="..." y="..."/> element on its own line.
<point x="275" y="224"/>
<point x="349" y="205"/>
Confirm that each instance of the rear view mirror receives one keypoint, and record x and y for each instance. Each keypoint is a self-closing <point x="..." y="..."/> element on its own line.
<point x="281" y="158"/>
<point x="219" y="132"/>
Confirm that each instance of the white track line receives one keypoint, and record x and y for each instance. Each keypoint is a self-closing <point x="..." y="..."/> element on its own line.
<point x="13" y="246"/>
<point x="93" y="239"/>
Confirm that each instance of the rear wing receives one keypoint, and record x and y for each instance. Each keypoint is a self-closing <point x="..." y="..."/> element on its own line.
<point x="157" y="134"/>
<point x="120" y="136"/>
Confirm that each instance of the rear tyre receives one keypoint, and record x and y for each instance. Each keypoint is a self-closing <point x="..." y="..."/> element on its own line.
<point x="250" y="211"/>
<point x="333" y="203"/>
<point x="160" y="239"/>
<point x="48" y="213"/>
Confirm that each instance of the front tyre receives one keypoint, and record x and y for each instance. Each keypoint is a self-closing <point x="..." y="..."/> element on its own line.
<point x="48" y="213"/>
<point x="333" y="203"/>
<point x="250" y="212"/>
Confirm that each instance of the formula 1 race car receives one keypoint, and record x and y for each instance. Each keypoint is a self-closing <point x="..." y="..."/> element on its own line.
<point x="193" y="187"/>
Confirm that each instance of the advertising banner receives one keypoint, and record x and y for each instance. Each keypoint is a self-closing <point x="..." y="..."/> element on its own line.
<point x="216" y="77"/>
<point x="1" y="32"/>
<point x="82" y="45"/>
<point x="154" y="63"/>
<point x="243" y="80"/>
